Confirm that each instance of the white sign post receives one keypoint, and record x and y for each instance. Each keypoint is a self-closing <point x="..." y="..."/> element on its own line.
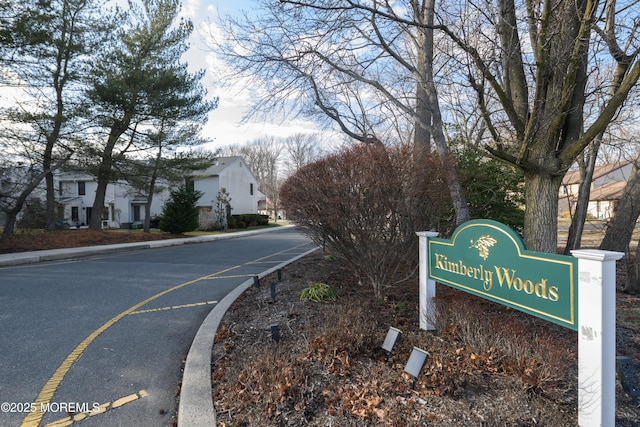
<point x="427" y="285"/>
<point x="596" y="337"/>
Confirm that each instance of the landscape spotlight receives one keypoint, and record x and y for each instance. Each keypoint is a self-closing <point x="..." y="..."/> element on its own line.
<point x="279" y="275"/>
<point x="275" y="332"/>
<point x="256" y="281"/>
<point x="390" y="340"/>
<point x="273" y="291"/>
<point x="628" y="378"/>
<point x="415" y="364"/>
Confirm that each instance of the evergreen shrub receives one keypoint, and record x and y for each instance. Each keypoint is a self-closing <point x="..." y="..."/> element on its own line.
<point x="180" y="213"/>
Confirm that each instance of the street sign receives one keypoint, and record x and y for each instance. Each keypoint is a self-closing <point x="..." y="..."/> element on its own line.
<point x="489" y="259"/>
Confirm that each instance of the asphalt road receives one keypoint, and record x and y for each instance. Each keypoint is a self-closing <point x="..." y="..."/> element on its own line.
<point x="103" y="337"/>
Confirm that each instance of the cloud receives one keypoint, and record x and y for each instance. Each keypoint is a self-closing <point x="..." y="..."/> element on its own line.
<point x="226" y="125"/>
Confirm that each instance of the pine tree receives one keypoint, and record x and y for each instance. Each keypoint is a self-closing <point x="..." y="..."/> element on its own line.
<point x="180" y="213"/>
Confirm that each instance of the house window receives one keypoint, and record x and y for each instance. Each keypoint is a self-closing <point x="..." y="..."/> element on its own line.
<point x="251" y="189"/>
<point x="190" y="184"/>
<point x="81" y="188"/>
<point x="74" y="214"/>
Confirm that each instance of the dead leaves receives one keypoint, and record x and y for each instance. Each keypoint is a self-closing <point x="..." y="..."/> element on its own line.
<point x="363" y="402"/>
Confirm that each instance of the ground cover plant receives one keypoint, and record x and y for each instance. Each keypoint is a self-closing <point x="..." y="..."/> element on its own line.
<point x="488" y="365"/>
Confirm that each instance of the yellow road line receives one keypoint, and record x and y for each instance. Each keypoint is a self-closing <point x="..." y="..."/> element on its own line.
<point x="46" y="393"/>
<point x="101" y="409"/>
<point x="232" y="277"/>
<point x="173" y="307"/>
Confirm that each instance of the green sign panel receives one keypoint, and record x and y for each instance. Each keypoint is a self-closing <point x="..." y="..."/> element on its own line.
<point x="489" y="259"/>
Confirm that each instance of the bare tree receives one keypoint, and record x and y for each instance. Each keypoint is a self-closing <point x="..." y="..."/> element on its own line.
<point x="302" y="149"/>
<point x="541" y="128"/>
<point x="355" y="62"/>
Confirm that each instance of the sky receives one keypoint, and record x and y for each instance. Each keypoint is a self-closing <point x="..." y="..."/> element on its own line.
<point x="225" y="126"/>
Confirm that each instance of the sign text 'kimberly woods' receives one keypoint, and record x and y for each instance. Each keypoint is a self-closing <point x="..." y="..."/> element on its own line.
<point x="505" y="278"/>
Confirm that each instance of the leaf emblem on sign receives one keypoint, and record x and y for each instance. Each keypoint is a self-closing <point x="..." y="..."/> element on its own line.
<point x="483" y="244"/>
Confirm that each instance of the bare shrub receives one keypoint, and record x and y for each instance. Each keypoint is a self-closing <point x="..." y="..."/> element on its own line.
<point x="366" y="203"/>
<point x="272" y="379"/>
<point x="342" y="333"/>
<point x="501" y="339"/>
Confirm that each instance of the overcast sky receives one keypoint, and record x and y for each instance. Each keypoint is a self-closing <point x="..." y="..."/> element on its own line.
<point x="224" y="125"/>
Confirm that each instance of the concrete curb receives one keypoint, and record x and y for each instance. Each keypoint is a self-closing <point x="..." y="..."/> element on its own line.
<point x="20" y="258"/>
<point x="196" y="401"/>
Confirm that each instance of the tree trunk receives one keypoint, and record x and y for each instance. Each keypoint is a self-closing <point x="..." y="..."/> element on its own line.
<point x="50" y="223"/>
<point x="104" y="172"/>
<point x="103" y="178"/>
<point x="541" y="211"/>
<point x="150" y="190"/>
<point x="587" y="166"/>
<point x="437" y="132"/>
<point x="625" y="215"/>
<point x="10" y="223"/>
<point x="633" y="274"/>
<point x="147" y="215"/>
<point x="12" y="214"/>
<point x="422" y="132"/>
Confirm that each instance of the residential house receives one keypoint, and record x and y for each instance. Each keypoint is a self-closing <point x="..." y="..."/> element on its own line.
<point x="124" y="206"/>
<point x="606" y="188"/>
<point x="232" y="174"/>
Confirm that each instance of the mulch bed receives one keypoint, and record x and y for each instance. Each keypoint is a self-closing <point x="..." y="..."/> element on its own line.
<point x="488" y="365"/>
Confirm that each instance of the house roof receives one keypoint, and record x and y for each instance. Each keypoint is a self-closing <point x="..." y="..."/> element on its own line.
<point x="610" y="191"/>
<point x="573" y="177"/>
<point x="215" y="169"/>
<point x="75" y="176"/>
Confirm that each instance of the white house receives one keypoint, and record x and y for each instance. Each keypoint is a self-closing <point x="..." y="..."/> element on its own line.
<point x="232" y="174"/>
<point x="124" y="207"/>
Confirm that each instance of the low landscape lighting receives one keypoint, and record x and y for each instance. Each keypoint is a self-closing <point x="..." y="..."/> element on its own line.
<point x="415" y="364"/>
<point x="390" y="340"/>
<point x="275" y="332"/>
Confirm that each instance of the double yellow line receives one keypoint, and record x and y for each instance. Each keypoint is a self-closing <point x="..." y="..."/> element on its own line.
<point x="46" y="394"/>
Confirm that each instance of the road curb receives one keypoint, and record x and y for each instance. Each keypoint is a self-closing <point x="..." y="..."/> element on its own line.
<point x="20" y="258"/>
<point x="196" y="400"/>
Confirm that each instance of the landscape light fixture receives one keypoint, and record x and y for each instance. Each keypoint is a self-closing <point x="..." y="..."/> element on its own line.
<point x="275" y="332"/>
<point x="279" y="275"/>
<point x="256" y="281"/>
<point x="390" y="340"/>
<point x="273" y="291"/>
<point x="628" y="378"/>
<point x="415" y="364"/>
